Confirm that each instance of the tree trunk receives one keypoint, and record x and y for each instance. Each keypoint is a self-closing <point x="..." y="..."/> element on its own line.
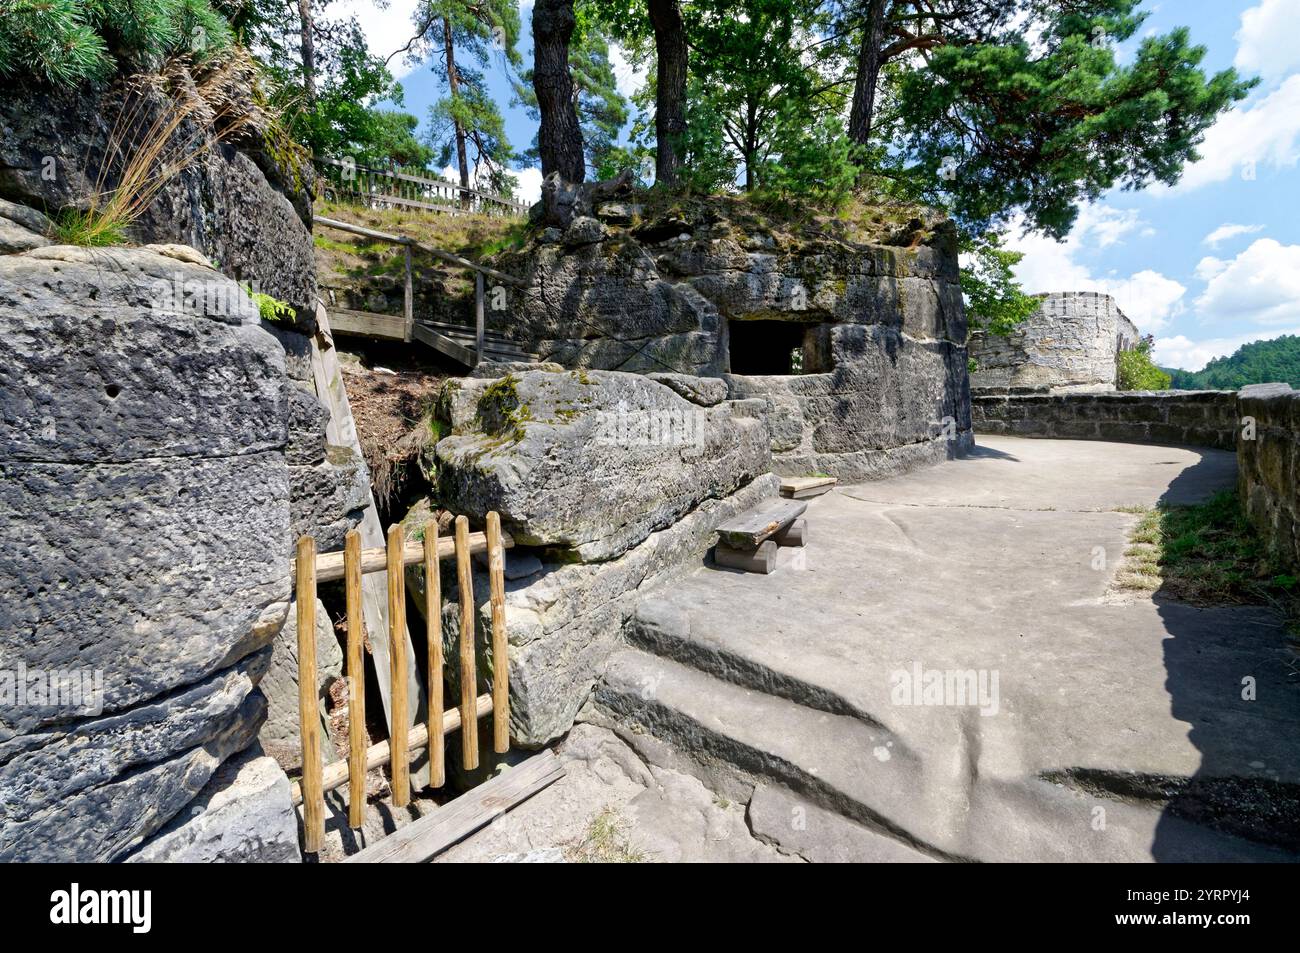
<point x="308" y="52"/>
<point x="670" y="102"/>
<point x="453" y="87"/>
<point x="869" y="64"/>
<point x="559" y="136"/>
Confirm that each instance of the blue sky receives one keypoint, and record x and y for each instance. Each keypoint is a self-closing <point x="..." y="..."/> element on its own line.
<point x="1205" y="266"/>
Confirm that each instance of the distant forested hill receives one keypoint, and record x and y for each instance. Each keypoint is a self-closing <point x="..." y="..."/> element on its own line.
<point x="1259" y="363"/>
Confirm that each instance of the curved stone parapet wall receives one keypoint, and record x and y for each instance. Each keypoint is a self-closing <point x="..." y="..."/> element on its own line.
<point x="1069" y="344"/>
<point x="1268" y="466"/>
<point x="1206" y="418"/>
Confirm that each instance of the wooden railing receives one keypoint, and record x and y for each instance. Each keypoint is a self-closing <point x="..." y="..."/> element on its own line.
<point x="408" y="316"/>
<point x="376" y="187"/>
<point x="311" y="568"/>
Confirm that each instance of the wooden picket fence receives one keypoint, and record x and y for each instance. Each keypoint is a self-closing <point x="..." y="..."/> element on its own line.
<point x="349" y="565"/>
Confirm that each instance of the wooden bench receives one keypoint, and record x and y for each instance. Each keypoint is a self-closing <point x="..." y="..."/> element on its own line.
<point x="803" y="488"/>
<point x="749" y="540"/>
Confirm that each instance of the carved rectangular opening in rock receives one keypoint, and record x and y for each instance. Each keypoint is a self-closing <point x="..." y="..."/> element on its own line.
<point x="775" y="347"/>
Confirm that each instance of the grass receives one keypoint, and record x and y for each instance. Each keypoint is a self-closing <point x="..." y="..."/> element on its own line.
<point x="88" y="229"/>
<point x="144" y="154"/>
<point x="1206" y="554"/>
<point x="605" y="842"/>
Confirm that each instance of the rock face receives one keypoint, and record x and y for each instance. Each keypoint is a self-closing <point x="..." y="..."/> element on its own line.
<point x="281" y="734"/>
<point x="145" y="517"/>
<point x="1069" y="344"/>
<point x="592" y="462"/>
<point x="857" y="350"/>
<point x="245" y="814"/>
<point x="249" y="218"/>
<point x="617" y="482"/>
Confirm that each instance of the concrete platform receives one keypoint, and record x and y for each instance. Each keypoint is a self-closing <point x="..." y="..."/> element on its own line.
<point x="1106" y="730"/>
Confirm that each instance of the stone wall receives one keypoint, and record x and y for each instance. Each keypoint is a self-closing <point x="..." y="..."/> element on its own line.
<point x="879" y="328"/>
<point x="145" y="518"/>
<point x="1268" y="466"/>
<point x="1207" y="418"/>
<point x="1069" y="344"/>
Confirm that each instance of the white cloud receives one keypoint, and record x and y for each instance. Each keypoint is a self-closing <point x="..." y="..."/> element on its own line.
<point x="1266" y="41"/>
<point x="1229" y="230"/>
<point x="529" y="188"/>
<point x="1261" y="285"/>
<point x="528" y="182"/>
<point x="1180" y="351"/>
<point x="387" y="30"/>
<point x="1149" y="298"/>
<point x="1209" y="266"/>
<point x="1265" y="133"/>
<point x="628" y="77"/>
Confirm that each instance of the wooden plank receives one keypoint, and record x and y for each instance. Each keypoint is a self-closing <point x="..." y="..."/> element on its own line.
<point x="368" y="324"/>
<point x="408" y="299"/>
<point x="329" y="566"/>
<point x="750" y="528"/>
<point x="456" y="820"/>
<point x="479" y="325"/>
<point x="401" y="725"/>
<point x="468" y="666"/>
<point x="342" y="430"/>
<point x="434" y="678"/>
<point x="500" y="648"/>
<point x="313" y="824"/>
<point x="337" y="773"/>
<point x="443" y="345"/>
<point x="761" y="560"/>
<point x="356" y="681"/>
<point x="802" y="488"/>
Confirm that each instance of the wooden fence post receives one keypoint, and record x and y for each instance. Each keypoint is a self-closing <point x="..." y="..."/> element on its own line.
<point x="356" y="681"/>
<point x="401" y="720"/>
<point x="313" y="794"/>
<point x="500" y="652"/>
<point x="409" y="312"/>
<point x="468" y="674"/>
<point x="433" y="614"/>
<point x="479" y="323"/>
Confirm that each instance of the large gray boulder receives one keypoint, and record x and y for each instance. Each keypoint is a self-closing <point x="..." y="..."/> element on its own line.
<point x="591" y="462"/>
<point x="144" y="515"/>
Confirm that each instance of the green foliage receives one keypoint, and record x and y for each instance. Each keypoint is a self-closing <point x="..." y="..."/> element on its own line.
<point x="1036" y="129"/>
<point x="1206" y="554"/>
<point x="1261" y="362"/>
<point x="994" y="300"/>
<point x="1137" y="372"/>
<point x="271" y="309"/>
<point x="92" y="228"/>
<point x="68" y="42"/>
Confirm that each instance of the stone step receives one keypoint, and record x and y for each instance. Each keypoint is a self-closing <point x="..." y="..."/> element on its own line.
<point x="829" y="759"/>
<point x="935" y="805"/>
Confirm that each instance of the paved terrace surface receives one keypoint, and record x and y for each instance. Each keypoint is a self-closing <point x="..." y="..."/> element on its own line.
<point x="1118" y="730"/>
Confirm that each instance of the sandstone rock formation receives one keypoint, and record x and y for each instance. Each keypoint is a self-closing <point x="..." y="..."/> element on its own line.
<point x="857" y="349"/>
<point x="1069" y="344"/>
<point x="592" y="461"/>
<point x="145" y="515"/>
<point x="618" y="482"/>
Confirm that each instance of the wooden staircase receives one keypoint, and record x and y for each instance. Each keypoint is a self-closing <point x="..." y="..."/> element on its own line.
<point x="465" y="344"/>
